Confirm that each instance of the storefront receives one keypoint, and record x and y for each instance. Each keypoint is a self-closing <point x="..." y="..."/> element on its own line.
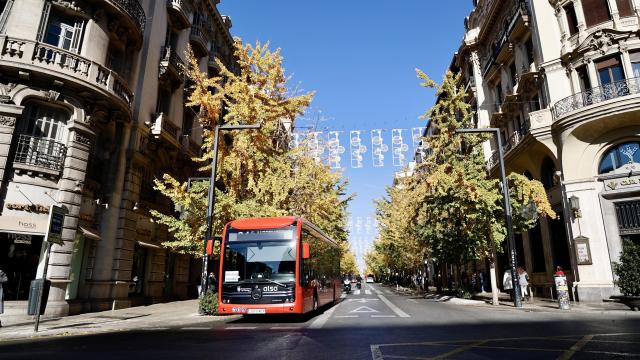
<point x="21" y="240"/>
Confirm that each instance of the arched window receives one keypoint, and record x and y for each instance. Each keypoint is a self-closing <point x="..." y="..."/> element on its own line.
<point x="43" y="136"/>
<point x="619" y="155"/>
<point x="547" y="172"/>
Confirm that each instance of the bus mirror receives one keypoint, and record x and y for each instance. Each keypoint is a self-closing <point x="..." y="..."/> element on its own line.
<point x="306" y="253"/>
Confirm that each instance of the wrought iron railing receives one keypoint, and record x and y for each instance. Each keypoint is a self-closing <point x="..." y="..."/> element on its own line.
<point x="513" y="141"/>
<point x="172" y="58"/>
<point x="596" y="95"/>
<point x="40" y="152"/>
<point x="135" y="11"/>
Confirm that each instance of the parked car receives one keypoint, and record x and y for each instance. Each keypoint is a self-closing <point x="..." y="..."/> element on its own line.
<point x="370" y="279"/>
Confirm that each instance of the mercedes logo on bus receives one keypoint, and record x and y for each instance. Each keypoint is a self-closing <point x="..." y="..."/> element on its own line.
<point x="256" y="294"/>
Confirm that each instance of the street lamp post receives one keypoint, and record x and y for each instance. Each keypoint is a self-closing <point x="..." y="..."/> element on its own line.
<point x="507" y="212"/>
<point x="212" y="197"/>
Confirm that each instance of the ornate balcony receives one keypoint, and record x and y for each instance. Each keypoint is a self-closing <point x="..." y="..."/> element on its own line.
<point x="30" y="56"/>
<point x="198" y="41"/>
<point x="39" y="155"/>
<point x="179" y="12"/>
<point x="512" y="142"/>
<point x="171" y="66"/>
<point x="596" y="95"/>
<point x="163" y="129"/>
<point x="134" y="10"/>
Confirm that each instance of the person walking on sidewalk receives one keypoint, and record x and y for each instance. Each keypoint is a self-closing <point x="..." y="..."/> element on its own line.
<point x="523" y="278"/>
<point x="507" y="284"/>
<point x="3" y="279"/>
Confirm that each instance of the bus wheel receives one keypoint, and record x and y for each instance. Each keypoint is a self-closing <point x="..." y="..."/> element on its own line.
<point x="315" y="302"/>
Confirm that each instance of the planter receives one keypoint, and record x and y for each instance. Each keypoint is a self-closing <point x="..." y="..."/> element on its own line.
<point x="633" y="302"/>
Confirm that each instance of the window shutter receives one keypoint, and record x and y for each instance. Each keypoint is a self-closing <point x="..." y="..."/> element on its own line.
<point x="635" y="56"/>
<point x="610" y="62"/>
<point x="595" y="11"/>
<point x="44" y="21"/>
<point x="624" y="8"/>
<point x="76" y="41"/>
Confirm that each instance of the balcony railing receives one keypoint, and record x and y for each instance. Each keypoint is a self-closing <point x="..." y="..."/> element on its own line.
<point x="199" y="38"/>
<point x="596" y="95"/>
<point x="180" y="9"/>
<point x="40" y="152"/>
<point x="511" y="143"/>
<point x="164" y="128"/>
<point x="171" y="60"/>
<point x="134" y="10"/>
<point x="27" y="53"/>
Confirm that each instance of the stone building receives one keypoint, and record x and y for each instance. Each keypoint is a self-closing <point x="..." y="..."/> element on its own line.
<point x="560" y="78"/>
<point x="91" y="111"/>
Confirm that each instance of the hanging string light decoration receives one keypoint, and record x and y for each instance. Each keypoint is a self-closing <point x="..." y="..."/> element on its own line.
<point x="398" y="148"/>
<point x="356" y="149"/>
<point x="335" y="150"/>
<point x="378" y="148"/>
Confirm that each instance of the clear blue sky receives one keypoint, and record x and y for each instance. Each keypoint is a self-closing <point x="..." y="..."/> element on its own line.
<point x="359" y="56"/>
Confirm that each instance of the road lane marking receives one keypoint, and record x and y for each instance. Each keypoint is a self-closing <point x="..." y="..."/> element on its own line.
<point x="393" y="307"/>
<point x="383" y="316"/>
<point x="363" y="309"/>
<point x="575" y="348"/>
<point x="363" y="300"/>
<point x="241" y="327"/>
<point x="347" y="316"/>
<point x="286" y="328"/>
<point x="367" y="292"/>
<point x="357" y="292"/>
<point x="322" y="319"/>
<point x="196" y="328"/>
<point x="412" y="300"/>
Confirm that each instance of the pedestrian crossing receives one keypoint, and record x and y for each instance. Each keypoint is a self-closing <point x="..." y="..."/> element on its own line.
<point x="358" y="292"/>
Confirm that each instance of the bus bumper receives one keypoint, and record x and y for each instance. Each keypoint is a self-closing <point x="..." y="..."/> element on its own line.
<point x="258" y="309"/>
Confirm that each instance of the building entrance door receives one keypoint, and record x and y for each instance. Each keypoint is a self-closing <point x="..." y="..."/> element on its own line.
<point x="19" y="258"/>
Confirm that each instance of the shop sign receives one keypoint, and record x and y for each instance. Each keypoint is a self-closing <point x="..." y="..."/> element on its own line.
<point x="33" y="208"/>
<point x="616" y="184"/>
<point x="583" y="251"/>
<point x="23" y="225"/>
<point x="56" y="220"/>
<point x="20" y="239"/>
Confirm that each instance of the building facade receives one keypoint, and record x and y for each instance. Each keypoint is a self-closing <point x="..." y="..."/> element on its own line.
<point x="92" y="109"/>
<point x="560" y="78"/>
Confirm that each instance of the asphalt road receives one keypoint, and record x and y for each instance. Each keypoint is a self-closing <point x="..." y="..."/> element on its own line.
<point x="373" y="323"/>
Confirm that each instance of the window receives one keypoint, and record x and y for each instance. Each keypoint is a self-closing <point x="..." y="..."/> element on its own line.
<point x="572" y="19"/>
<point x="635" y="63"/>
<point x="164" y="101"/>
<point x="187" y="121"/>
<point x="624" y="8"/>
<point x="583" y="78"/>
<point x="534" y="104"/>
<point x="529" y="48"/>
<point x="595" y="12"/>
<point x="138" y="270"/>
<point x="547" y="173"/>
<point x="537" y="249"/>
<point x="498" y="93"/>
<point x="514" y="73"/>
<point x="610" y="72"/>
<point x="64" y="31"/>
<point x="46" y="122"/>
<point x="559" y="244"/>
<point x="625" y="153"/>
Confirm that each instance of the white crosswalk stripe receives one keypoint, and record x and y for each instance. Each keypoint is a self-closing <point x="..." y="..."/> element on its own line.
<point x="357" y="292"/>
<point x="367" y="292"/>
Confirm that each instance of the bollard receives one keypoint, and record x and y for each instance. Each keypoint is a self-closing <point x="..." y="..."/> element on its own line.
<point x="562" y="291"/>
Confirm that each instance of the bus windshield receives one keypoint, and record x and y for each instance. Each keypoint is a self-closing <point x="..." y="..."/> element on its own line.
<point x="260" y="256"/>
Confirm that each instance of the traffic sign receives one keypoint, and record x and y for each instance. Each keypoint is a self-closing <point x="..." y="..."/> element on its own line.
<point x="56" y="220"/>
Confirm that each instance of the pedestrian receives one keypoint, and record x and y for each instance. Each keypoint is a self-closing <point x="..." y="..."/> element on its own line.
<point x="481" y="279"/>
<point x="211" y="282"/>
<point x="3" y="279"/>
<point x="507" y="283"/>
<point x="474" y="281"/>
<point x="523" y="279"/>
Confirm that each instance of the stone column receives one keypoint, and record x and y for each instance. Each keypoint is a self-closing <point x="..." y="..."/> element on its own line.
<point x="9" y="115"/>
<point x="626" y="62"/>
<point x="582" y="24"/>
<point x="613" y="8"/>
<point x="69" y="196"/>
<point x="561" y="16"/>
<point x="594" y="79"/>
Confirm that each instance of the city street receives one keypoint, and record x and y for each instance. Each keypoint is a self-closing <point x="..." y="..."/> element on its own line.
<point x="372" y="323"/>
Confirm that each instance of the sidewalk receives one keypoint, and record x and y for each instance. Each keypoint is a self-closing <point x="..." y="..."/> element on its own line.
<point x="485" y="299"/>
<point x="157" y="316"/>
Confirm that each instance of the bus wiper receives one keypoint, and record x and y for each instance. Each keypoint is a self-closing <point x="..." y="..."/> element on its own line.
<point x="274" y="282"/>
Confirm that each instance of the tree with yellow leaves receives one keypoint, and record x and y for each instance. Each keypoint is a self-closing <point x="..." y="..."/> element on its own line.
<point x="258" y="175"/>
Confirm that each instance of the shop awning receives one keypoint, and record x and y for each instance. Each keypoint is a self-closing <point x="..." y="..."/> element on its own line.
<point x="148" y="245"/>
<point x="90" y="233"/>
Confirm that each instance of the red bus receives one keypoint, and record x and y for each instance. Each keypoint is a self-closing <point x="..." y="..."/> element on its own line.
<point x="283" y="265"/>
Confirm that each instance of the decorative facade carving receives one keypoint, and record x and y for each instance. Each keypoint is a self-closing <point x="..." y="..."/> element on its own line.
<point x="601" y="41"/>
<point x="84" y="140"/>
<point x="8" y="121"/>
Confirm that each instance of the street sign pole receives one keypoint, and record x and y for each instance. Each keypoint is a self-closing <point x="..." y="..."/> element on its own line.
<point x="53" y="236"/>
